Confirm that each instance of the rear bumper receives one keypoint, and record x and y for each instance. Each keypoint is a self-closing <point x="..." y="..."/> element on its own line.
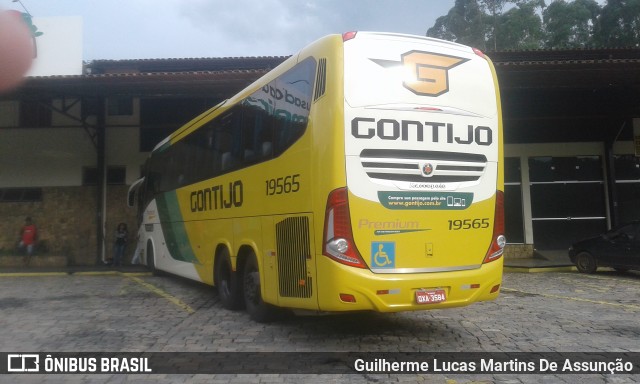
<point x="397" y="292"/>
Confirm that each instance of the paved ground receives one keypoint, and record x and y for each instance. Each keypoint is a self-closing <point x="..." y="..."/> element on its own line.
<point x="87" y="312"/>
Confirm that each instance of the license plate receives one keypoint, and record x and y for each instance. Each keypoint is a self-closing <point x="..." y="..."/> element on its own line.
<point x="431" y="297"/>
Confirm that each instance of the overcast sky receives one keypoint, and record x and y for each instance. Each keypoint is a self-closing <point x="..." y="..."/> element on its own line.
<point x="142" y="29"/>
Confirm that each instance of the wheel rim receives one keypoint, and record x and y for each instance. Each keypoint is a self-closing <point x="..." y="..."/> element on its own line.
<point x="585" y="263"/>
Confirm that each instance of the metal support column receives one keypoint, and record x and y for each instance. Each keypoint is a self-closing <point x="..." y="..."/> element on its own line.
<point x="101" y="194"/>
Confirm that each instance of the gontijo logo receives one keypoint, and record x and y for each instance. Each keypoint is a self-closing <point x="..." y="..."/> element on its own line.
<point x="431" y="71"/>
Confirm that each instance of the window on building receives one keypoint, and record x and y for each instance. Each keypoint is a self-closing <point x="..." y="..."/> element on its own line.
<point x="120" y="106"/>
<point x="513" y="216"/>
<point x="567" y="199"/>
<point x="9" y="113"/>
<point x="627" y="171"/>
<point x="115" y="175"/>
<point x="20" y="195"/>
<point x="35" y="113"/>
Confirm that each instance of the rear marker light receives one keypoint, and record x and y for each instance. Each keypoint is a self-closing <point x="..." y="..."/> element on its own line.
<point x="388" y="291"/>
<point x="429" y="109"/>
<point x="478" y="52"/>
<point x="495" y="288"/>
<point x="347" y="298"/>
<point x="349" y="35"/>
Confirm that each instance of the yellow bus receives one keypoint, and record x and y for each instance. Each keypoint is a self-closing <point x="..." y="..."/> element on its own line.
<point x="363" y="173"/>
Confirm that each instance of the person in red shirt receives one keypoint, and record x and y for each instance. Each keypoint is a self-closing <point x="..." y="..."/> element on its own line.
<point x="28" y="237"/>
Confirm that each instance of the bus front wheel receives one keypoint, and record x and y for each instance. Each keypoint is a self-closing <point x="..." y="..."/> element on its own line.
<point x="151" y="261"/>
<point x="229" y="290"/>
<point x="258" y="310"/>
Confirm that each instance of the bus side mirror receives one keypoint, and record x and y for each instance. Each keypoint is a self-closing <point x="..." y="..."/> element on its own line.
<point x="131" y="198"/>
<point x="133" y="191"/>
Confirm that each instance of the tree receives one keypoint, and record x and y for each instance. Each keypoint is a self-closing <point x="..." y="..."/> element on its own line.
<point x="484" y="24"/>
<point x="570" y="25"/>
<point x="464" y="24"/>
<point x="520" y="27"/>
<point x="531" y="24"/>
<point x="495" y="8"/>
<point x="619" y="24"/>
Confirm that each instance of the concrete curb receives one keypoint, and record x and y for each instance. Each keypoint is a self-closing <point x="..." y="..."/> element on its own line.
<point x="567" y="268"/>
<point x="78" y="273"/>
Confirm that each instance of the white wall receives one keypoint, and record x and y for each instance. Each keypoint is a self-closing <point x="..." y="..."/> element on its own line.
<point x="44" y="157"/>
<point x="55" y="156"/>
<point x="59" y="48"/>
<point x="123" y="150"/>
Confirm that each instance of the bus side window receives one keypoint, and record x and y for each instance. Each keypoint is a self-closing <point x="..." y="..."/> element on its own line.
<point x="224" y="143"/>
<point x="287" y="131"/>
<point x="184" y="171"/>
<point x="291" y="113"/>
<point x="257" y="135"/>
<point x="248" y="129"/>
<point x="237" y="150"/>
<point x="267" y="149"/>
<point x="225" y="161"/>
<point x="208" y="153"/>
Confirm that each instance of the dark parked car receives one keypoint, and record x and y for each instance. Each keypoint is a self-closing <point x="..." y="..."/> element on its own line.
<point x="619" y="248"/>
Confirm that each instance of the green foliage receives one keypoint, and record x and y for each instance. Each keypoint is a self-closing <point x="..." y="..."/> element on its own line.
<point x="465" y="24"/>
<point x="519" y="28"/>
<point x="29" y="21"/>
<point x="532" y="24"/>
<point x="619" y="24"/>
<point x="570" y="25"/>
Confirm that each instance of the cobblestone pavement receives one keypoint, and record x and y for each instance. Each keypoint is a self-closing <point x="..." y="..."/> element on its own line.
<point x="539" y="312"/>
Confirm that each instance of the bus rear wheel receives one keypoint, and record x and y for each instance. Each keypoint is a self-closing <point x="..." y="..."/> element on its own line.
<point x="258" y="310"/>
<point x="229" y="290"/>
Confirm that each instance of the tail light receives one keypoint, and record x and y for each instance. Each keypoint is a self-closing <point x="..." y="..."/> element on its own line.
<point x="498" y="240"/>
<point x="338" y="237"/>
<point x="479" y="53"/>
<point x="348" y="35"/>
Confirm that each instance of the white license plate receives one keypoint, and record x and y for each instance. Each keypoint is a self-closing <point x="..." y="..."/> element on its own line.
<point x="431" y="297"/>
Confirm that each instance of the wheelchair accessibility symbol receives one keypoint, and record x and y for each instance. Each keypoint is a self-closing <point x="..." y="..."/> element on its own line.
<point x="383" y="254"/>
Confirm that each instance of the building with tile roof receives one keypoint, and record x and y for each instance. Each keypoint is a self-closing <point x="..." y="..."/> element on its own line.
<point x="71" y="145"/>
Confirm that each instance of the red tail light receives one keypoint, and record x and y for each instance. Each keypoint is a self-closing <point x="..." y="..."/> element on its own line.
<point x="498" y="240"/>
<point x="479" y="52"/>
<point x="338" y="241"/>
<point x="348" y="35"/>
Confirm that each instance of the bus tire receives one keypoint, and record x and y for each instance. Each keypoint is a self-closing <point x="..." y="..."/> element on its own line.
<point x="151" y="260"/>
<point x="258" y="310"/>
<point x="225" y="280"/>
